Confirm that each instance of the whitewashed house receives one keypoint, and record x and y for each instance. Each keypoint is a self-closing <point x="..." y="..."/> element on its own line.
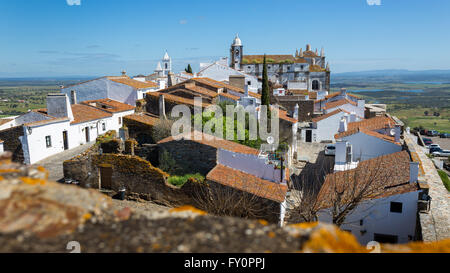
<point x="366" y="139"/>
<point x="343" y="97"/>
<point x="388" y="211"/>
<point x="325" y="127"/>
<point x="64" y="126"/>
<point x="121" y="88"/>
<point x="221" y="71"/>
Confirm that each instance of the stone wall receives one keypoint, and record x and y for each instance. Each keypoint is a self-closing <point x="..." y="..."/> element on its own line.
<point x="140" y="131"/>
<point x="12" y="142"/>
<point x="306" y="107"/>
<point x="190" y="157"/>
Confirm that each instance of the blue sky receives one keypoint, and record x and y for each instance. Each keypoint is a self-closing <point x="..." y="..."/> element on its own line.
<point x="103" y="37"/>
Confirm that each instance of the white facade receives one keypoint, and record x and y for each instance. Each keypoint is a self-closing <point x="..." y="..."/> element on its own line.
<point x="104" y="88"/>
<point x="326" y="129"/>
<point x="221" y="72"/>
<point x="365" y="146"/>
<point x="375" y="217"/>
<point x="358" y="109"/>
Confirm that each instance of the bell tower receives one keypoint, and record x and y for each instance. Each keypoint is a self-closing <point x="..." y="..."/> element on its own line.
<point x="236" y="53"/>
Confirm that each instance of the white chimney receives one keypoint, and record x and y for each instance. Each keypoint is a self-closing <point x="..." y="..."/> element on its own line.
<point x="398" y="131"/>
<point x="347" y="118"/>
<point x="162" y="107"/>
<point x="413" y="172"/>
<point x="246" y="91"/>
<point x="295" y="116"/>
<point x="73" y="96"/>
<point x="352" y="117"/>
<point x="342" y="125"/>
<point x="58" y="106"/>
<point x="361" y="104"/>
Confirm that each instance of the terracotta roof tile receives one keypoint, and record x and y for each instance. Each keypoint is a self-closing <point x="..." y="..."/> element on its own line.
<point x="382" y="176"/>
<point x="322" y="117"/>
<point x="143" y="118"/>
<point x="334" y="104"/>
<point x="316" y="68"/>
<point x="109" y="105"/>
<point x="83" y="113"/>
<point x="175" y="99"/>
<point x="218" y="84"/>
<point x="5" y="120"/>
<point x="45" y="122"/>
<point x="217" y="143"/>
<point x="380" y="136"/>
<point x="248" y="183"/>
<point x="230" y="96"/>
<point x="371" y="124"/>
<point x="134" y="83"/>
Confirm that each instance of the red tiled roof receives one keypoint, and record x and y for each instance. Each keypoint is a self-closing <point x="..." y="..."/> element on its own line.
<point x="46" y="121"/>
<point x="230" y="96"/>
<point x="371" y="124"/>
<point x="109" y="105"/>
<point x="217" y="143"/>
<point x="380" y="136"/>
<point x="218" y="84"/>
<point x="134" y="83"/>
<point x="5" y="120"/>
<point x="83" y="113"/>
<point x="143" y="118"/>
<point x="322" y="117"/>
<point x="259" y="59"/>
<point x="176" y="99"/>
<point x="374" y="178"/>
<point x="248" y="183"/>
<point x="334" y="104"/>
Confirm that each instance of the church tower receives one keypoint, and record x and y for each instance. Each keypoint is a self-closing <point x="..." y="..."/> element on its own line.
<point x="166" y="64"/>
<point x="236" y="53"/>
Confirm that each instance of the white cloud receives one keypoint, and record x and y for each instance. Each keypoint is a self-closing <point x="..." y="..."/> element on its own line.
<point x="73" y="2"/>
<point x="374" y="2"/>
<point x="183" y="22"/>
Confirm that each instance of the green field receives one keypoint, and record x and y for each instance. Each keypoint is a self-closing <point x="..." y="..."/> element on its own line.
<point x="15" y="100"/>
<point x="410" y="107"/>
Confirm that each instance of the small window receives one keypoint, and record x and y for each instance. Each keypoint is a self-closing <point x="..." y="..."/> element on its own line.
<point x="48" y="141"/>
<point x="288" y="68"/>
<point x="104" y="126"/>
<point x="396" y="207"/>
<point x="249" y="83"/>
<point x="120" y="120"/>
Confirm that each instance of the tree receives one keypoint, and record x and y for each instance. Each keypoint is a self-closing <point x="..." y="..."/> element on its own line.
<point x="265" y="96"/>
<point x="426" y="113"/>
<point x="167" y="163"/>
<point x="188" y="69"/>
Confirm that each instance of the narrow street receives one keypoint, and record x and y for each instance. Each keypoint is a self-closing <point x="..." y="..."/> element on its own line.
<point x="54" y="164"/>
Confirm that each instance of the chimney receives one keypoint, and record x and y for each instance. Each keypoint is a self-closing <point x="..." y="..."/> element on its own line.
<point x="322" y="52"/>
<point x="296" y="53"/>
<point x="58" y="106"/>
<point x="170" y="79"/>
<point x="237" y="81"/>
<point x="246" y="91"/>
<point x="361" y="104"/>
<point x="413" y="172"/>
<point x="295" y="116"/>
<point x="124" y="73"/>
<point x="398" y="131"/>
<point x="313" y="61"/>
<point x="308" y="47"/>
<point x="343" y="125"/>
<point x="341" y="152"/>
<point x="73" y="97"/>
<point x="162" y="107"/>
<point x="352" y="117"/>
<point x="347" y="118"/>
<point x="301" y="52"/>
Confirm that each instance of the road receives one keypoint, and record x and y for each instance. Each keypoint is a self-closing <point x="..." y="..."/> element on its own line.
<point x="54" y="164"/>
<point x="443" y="142"/>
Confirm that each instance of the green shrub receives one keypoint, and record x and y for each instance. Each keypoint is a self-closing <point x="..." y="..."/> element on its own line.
<point x="167" y="163"/>
<point x="181" y="180"/>
<point x="445" y="179"/>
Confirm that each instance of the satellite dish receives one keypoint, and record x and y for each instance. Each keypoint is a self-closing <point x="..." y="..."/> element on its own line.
<point x="392" y="132"/>
<point x="270" y="140"/>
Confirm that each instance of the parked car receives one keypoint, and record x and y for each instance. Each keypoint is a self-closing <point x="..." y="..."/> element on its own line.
<point x="427" y="141"/>
<point x="330" y="149"/>
<point x="432" y="133"/>
<point x="435" y="146"/>
<point x="432" y="150"/>
<point x="442" y="153"/>
<point x="445" y="135"/>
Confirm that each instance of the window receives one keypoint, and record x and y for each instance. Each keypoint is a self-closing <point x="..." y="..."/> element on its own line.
<point x="120" y="120"/>
<point x="249" y="83"/>
<point x="315" y="85"/>
<point x="384" y="238"/>
<point x="104" y="126"/>
<point x="396" y="207"/>
<point x="48" y="141"/>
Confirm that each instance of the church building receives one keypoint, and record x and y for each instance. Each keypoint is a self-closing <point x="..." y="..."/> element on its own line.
<point x="305" y="71"/>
